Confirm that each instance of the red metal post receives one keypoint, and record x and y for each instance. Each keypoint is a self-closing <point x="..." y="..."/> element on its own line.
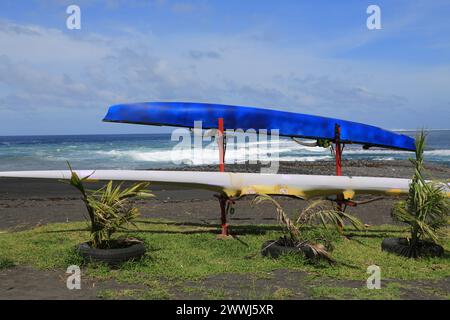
<point x="338" y="157"/>
<point x="338" y="150"/>
<point x="223" y="213"/>
<point x="222" y="199"/>
<point x="220" y="141"/>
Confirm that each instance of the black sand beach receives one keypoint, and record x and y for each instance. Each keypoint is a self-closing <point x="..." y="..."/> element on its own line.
<point x="25" y="203"/>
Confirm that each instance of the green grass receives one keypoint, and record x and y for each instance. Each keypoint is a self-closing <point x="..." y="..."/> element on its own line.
<point x="6" y="263"/>
<point x="283" y="293"/>
<point x="437" y="292"/>
<point x="120" y="294"/>
<point x="388" y="292"/>
<point x="178" y="253"/>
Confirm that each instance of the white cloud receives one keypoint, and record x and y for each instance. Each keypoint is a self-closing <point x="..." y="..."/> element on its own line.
<point x="49" y="46"/>
<point x="48" y="69"/>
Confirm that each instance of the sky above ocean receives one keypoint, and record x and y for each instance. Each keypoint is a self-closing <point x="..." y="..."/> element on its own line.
<point x="314" y="57"/>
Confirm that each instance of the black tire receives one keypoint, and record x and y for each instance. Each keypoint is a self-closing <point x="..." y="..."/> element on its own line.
<point x="401" y="247"/>
<point x="111" y="257"/>
<point x="396" y="245"/>
<point x="272" y="249"/>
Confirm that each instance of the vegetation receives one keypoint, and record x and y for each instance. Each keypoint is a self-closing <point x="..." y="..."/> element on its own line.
<point x="186" y="260"/>
<point x="6" y="264"/>
<point x="183" y="256"/>
<point x="388" y="292"/>
<point x="299" y="233"/>
<point x="109" y="208"/>
<point x="320" y="211"/>
<point x="426" y="209"/>
<point x="320" y="242"/>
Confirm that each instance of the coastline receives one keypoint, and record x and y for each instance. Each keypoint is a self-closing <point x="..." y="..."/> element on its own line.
<point x="373" y="168"/>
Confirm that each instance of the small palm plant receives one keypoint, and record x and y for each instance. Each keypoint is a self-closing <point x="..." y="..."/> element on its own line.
<point x="296" y="238"/>
<point x="109" y="208"/>
<point x="426" y="209"/>
<point x="298" y="234"/>
<point x="320" y="211"/>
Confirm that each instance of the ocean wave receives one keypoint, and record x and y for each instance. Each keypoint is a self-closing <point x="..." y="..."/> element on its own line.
<point x="285" y="145"/>
<point x="209" y="155"/>
<point x="306" y="158"/>
<point x="383" y="158"/>
<point x="438" y="152"/>
<point x="441" y="152"/>
<point x="27" y="153"/>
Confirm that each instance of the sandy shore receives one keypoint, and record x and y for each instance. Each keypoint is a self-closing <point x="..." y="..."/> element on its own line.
<point x="25" y="203"/>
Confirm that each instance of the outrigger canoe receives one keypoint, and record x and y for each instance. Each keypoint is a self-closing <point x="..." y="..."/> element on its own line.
<point x="289" y="124"/>
<point x="235" y="185"/>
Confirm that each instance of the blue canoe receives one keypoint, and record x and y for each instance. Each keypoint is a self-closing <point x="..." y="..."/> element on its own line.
<point x="183" y="114"/>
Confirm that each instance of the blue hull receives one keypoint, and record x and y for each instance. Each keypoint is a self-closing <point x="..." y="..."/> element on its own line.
<point x="183" y="114"/>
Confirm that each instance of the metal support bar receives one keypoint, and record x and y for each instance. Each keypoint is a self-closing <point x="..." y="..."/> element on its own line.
<point x="338" y="156"/>
<point x="223" y="200"/>
<point x="338" y="150"/>
<point x="223" y="216"/>
<point x="221" y="143"/>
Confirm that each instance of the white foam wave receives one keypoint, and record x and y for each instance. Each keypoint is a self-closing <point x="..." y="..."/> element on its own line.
<point x="285" y="145"/>
<point x="440" y="152"/>
<point x="208" y="155"/>
<point x="384" y="158"/>
<point x="263" y="152"/>
<point x="306" y="158"/>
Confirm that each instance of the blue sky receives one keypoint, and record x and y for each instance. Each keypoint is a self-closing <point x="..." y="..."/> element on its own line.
<point x="313" y="57"/>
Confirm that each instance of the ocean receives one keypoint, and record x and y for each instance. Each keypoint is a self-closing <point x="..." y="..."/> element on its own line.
<point x="147" y="151"/>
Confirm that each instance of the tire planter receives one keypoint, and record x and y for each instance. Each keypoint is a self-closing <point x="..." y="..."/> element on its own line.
<point x="274" y="249"/>
<point x="111" y="257"/>
<point x="400" y="246"/>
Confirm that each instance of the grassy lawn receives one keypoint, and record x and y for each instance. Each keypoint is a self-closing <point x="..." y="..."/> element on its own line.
<point x="179" y="255"/>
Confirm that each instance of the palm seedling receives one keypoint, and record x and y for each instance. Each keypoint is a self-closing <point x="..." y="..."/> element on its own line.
<point x="319" y="211"/>
<point x="426" y="210"/>
<point x="295" y="236"/>
<point x="109" y="208"/>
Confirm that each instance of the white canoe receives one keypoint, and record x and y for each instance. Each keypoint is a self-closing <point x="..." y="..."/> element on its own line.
<point x="240" y="184"/>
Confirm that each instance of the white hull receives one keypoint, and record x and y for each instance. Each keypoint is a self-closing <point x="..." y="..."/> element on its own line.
<point x="240" y="184"/>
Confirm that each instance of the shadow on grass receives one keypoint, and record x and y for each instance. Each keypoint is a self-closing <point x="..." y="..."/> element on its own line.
<point x="6" y="263"/>
<point x="238" y="230"/>
<point x="235" y="229"/>
<point x="67" y="230"/>
<point x="215" y="229"/>
<point x="370" y="236"/>
<point x="203" y="223"/>
<point x="370" y="233"/>
<point x="376" y="231"/>
<point x="345" y="264"/>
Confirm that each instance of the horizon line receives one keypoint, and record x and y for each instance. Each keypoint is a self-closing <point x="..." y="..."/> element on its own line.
<point x="155" y="133"/>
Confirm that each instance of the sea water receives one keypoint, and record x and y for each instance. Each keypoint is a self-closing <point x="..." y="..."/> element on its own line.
<point x="147" y="151"/>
